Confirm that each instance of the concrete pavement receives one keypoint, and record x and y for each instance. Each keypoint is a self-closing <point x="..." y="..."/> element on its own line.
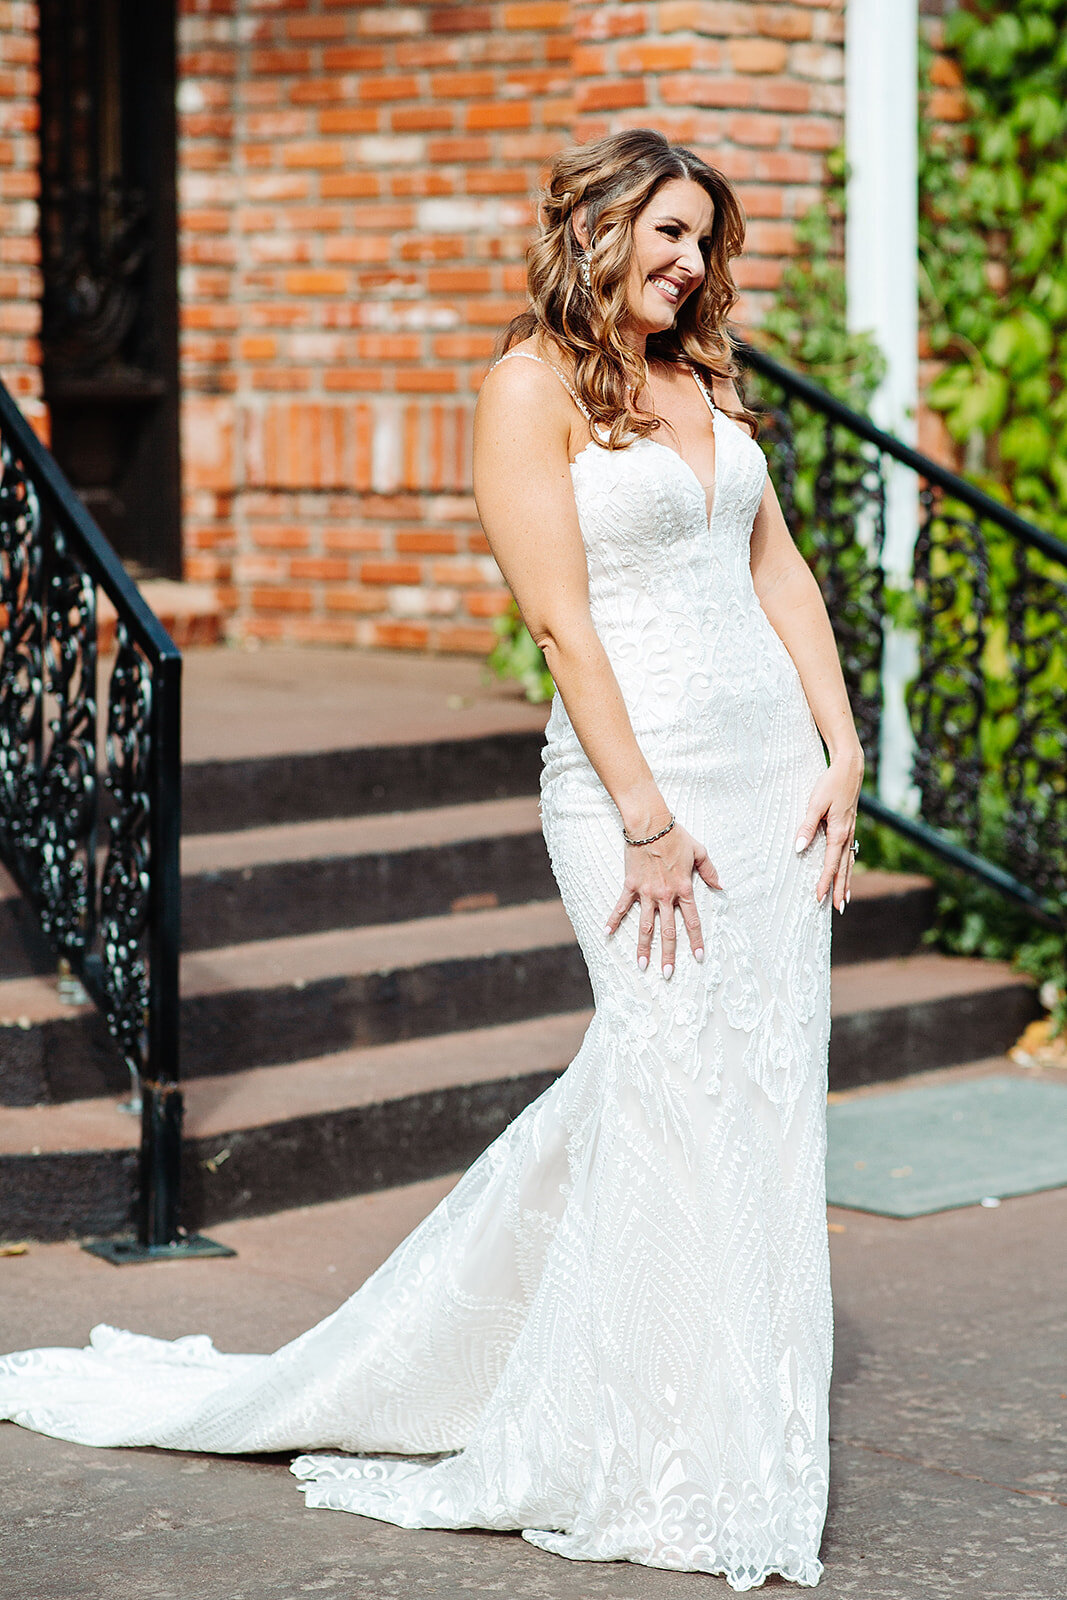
<point x="948" y="1456"/>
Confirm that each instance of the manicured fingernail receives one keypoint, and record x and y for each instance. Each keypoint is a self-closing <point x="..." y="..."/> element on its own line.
<point x="841" y="908"/>
<point x="848" y="897"/>
<point x="642" y="962"/>
<point x="607" y="927"/>
<point x="667" y="971"/>
<point x="821" y="897"/>
<point x="801" y="843"/>
<point x="698" y="954"/>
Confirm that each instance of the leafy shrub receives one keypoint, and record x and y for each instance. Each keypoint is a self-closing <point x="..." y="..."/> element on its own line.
<point x="972" y="919"/>
<point x="516" y="656"/>
<point x="993" y="211"/>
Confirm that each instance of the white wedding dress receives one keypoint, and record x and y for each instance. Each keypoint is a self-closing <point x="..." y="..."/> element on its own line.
<point x="615" y="1332"/>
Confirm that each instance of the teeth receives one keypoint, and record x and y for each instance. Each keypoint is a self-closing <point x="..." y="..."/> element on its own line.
<point x="668" y="287"/>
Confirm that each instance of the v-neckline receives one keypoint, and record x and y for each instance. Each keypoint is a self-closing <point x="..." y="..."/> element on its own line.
<point x="709" y="510"/>
<point x="709" y="506"/>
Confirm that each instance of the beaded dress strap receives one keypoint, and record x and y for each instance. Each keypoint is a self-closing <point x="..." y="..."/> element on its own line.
<point x="702" y="386"/>
<point x="569" y="388"/>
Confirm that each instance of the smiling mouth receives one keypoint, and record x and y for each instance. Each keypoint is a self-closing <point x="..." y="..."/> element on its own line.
<point x="668" y="289"/>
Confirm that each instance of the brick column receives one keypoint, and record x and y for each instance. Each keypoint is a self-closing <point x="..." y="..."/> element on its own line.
<point x="20" y="255"/>
<point x="209" y="64"/>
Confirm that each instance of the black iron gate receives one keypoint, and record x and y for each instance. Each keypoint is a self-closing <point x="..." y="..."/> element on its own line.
<point x="108" y="254"/>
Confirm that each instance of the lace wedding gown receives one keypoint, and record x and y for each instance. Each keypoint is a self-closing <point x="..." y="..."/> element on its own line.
<point x="615" y="1332"/>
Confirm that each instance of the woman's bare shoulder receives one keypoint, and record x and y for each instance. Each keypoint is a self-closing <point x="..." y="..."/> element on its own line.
<point x="532" y="385"/>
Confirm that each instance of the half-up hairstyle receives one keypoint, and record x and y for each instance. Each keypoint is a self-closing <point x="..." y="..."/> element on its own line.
<point x="615" y="178"/>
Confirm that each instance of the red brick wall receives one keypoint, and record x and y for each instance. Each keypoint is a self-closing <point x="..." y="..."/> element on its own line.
<point x="355" y="186"/>
<point x="20" y="277"/>
<point x="355" y="192"/>
<point x="355" y="200"/>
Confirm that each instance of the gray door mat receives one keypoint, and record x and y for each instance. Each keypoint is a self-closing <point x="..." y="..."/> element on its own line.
<point x="908" y="1152"/>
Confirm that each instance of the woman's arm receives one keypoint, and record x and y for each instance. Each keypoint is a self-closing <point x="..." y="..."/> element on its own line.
<point x="792" y="601"/>
<point x="525" y="498"/>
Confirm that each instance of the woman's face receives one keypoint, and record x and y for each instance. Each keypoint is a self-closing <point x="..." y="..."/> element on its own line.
<point x="672" y="236"/>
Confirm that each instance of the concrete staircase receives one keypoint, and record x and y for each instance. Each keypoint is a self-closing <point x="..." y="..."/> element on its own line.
<point x="378" y="973"/>
<point x="190" y="612"/>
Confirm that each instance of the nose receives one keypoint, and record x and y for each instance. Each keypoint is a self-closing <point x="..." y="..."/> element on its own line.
<point x="691" y="260"/>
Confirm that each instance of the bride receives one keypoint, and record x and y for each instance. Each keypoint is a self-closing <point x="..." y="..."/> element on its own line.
<point x="615" y="1333"/>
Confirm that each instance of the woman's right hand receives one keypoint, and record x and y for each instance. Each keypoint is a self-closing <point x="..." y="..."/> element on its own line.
<point x="659" y="877"/>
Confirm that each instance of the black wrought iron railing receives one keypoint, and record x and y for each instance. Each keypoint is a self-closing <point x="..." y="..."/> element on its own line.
<point x="93" y="844"/>
<point x="953" y="650"/>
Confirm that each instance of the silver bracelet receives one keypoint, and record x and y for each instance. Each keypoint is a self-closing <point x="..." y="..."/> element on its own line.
<point x="652" y="836"/>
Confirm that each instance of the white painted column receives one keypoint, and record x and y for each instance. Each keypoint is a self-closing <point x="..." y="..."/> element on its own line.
<point x="881" y="262"/>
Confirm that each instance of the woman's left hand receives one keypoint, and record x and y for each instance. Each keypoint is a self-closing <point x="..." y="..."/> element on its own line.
<point x="835" y="799"/>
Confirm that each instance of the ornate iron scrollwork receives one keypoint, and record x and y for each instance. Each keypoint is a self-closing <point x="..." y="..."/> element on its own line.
<point x="117" y="929"/>
<point x="125" y="885"/>
<point x="94" y="272"/>
<point x="47" y="670"/>
<point x="95" y="227"/>
<point x="1035" y="766"/>
<point x="66" y="828"/>
<point x="21" y="665"/>
<point x="48" y="742"/>
<point x="837" y="516"/>
<point x="847" y="537"/>
<point x="948" y="698"/>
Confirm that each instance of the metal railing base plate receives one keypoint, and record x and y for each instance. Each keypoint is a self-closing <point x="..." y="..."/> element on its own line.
<point x="129" y="1252"/>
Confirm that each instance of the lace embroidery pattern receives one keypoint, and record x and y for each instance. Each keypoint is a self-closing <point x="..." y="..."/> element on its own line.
<point x="615" y="1333"/>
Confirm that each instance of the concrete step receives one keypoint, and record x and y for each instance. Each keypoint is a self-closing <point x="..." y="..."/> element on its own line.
<point x="261" y="1140"/>
<point x="377" y="972"/>
<point x="914" y="1013"/>
<point x="297" y="735"/>
<point x="887" y="916"/>
<point x="265" y="883"/>
<point x="278" y="1000"/>
<point x="367" y="1117"/>
<point x="190" y="612"/>
<point x="275" y="1001"/>
<point x="297" y="878"/>
<point x="260" y="791"/>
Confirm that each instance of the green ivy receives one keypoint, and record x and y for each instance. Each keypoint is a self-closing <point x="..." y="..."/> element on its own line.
<point x="515" y="656"/>
<point x="971" y="919"/>
<point x="806" y="329"/>
<point x="993" y="251"/>
<point x="993" y="283"/>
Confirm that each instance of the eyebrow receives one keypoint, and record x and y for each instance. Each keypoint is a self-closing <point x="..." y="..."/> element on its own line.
<point x="680" y="224"/>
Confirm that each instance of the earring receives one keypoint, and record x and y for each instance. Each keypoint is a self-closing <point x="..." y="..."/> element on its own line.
<point x="583" y="268"/>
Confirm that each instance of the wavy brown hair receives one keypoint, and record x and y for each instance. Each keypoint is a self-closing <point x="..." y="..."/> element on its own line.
<point x="615" y="178"/>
